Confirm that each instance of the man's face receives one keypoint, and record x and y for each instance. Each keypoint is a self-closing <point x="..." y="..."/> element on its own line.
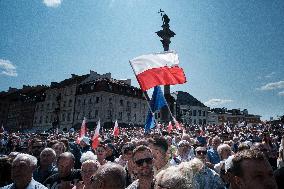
<point x="101" y="153"/>
<point x="87" y="170"/>
<point x="21" y="172"/>
<point x="65" y="166"/>
<point x="159" y="156"/>
<point x="58" y="148"/>
<point x="183" y="149"/>
<point x="37" y="147"/>
<point x="257" y="174"/>
<point x="216" y="143"/>
<point x="143" y="161"/>
<point x="46" y="158"/>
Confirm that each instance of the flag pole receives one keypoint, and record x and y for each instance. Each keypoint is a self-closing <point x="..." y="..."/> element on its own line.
<point x="145" y="95"/>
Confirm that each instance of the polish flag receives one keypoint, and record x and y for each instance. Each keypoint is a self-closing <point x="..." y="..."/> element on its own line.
<point x="170" y="127"/>
<point x="157" y="69"/>
<point x="115" y="129"/>
<point x="177" y="125"/>
<point x="158" y="126"/>
<point x="82" y="131"/>
<point x="96" y="136"/>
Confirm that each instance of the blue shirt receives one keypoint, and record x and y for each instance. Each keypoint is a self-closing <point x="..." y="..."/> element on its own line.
<point x="213" y="156"/>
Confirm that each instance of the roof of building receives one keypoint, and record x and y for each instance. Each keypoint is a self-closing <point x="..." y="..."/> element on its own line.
<point x="184" y="98"/>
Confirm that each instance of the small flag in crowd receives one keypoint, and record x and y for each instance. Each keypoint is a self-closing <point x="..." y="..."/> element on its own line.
<point x="96" y="136"/>
<point x="170" y="127"/>
<point x="157" y="102"/>
<point x="115" y="129"/>
<point x="157" y="69"/>
<point x="2" y="130"/>
<point x="177" y="125"/>
<point x="82" y="131"/>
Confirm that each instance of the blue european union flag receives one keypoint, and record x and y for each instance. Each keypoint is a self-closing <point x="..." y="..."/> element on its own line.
<point x="158" y="101"/>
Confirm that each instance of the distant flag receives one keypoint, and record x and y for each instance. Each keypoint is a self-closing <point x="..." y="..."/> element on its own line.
<point x="96" y="136"/>
<point x="177" y="125"/>
<point x="157" y="102"/>
<point x="170" y="127"/>
<point x="150" y="122"/>
<point x="157" y="69"/>
<point x="158" y="126"/>
<point x="82" y="131"/>
<point x="115" y="129"/>
<point x="2" y="130"/>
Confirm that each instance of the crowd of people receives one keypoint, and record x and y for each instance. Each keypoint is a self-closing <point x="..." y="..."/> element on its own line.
<point x="193" y="157"/>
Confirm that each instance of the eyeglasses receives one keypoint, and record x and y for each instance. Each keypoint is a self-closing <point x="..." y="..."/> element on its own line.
<point x="140" y="162"/>
<point x="201" y="152"/>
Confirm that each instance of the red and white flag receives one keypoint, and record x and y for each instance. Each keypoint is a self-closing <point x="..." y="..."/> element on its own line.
<point x="157" y="69"/>
<point x="82" y="131"/>
<point x="177" y="125"/>
<point x="96" y="136"/>
<point x="170" y="127"/>
<point x="115" y="129"/>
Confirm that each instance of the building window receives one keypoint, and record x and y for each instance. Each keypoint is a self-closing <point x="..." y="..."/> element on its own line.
<point x="40" y="119"/>
<point x="128" y="117"/>
<point x="120" y="116"/>
<point x="110" y="101"/>
<point x="204" y="113"/>
<point x="70" y="103"/>
<point x="194" y="114"/>
<point x="96" y="113"/>
<point x="121" y="102"/>
<point x="200" y="121"/>
<point x="194" y="121"/>
<point x="46" y="119"/>
<point x="90" y="101"/>
<point x="92" y="87"/>
<point x="199" y="112"/>
<point x="79" y="102"/>
<point x="109" y="114"/>
<point x="63" y="117"/>
<point x="90" y="115"/>
<point x="64" y="103"/>
<point x="47" y="106"/>
<point x="69" y="117"/>
<point x="128" y="104"/>
<point x="134" y="117"/>
<point x="204" y="121"/>
<point x="134" y="105"/>
<point x="97" y="99"/>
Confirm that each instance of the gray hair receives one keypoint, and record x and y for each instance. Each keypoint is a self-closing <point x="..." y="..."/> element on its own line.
<point x="28" y="158"/>
<point x="88" y="156"/>
<point x="49" y="150"/>
<point x="113" y="175"/>
<point x="179" y="177"/>
<point x="221" y="147"/>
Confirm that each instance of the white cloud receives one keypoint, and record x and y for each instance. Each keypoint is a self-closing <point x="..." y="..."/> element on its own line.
<point x="52" y="3"/>
<point x="281" y="93"/>
<point x="216" y="102"/>
<point x="272" y="86"/>
<point x="7" y="68"/>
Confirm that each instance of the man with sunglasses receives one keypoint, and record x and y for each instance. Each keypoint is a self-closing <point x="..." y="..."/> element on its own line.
<point x="143" y="160"/>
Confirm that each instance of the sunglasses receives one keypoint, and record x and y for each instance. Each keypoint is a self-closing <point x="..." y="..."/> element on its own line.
<point x="140" y="162"/>
<point x="201" y="152"/>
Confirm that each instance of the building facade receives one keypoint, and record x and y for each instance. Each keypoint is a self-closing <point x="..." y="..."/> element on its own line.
<point x="189" y="110"/>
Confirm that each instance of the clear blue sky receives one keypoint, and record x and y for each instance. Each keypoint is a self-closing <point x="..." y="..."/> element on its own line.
<point x="232" y="51"/>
